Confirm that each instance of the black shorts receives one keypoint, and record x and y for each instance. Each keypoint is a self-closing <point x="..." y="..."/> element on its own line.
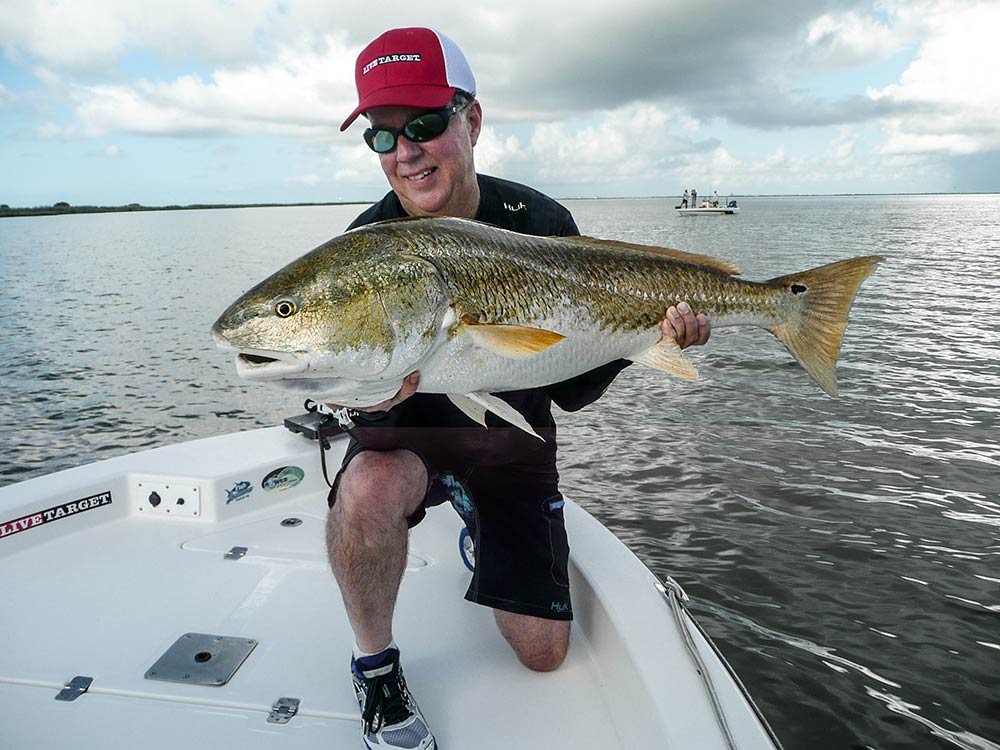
<point x="515" y="513"/>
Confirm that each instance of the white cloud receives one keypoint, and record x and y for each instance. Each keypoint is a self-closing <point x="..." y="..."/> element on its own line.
<point x="841" y="151"/>
<point x="951" y="86"/>
<point x="691" y="124"/>
<point x="493" y="151"/>
<point x="663" y="97"/>
<point x="622" y="144"/>
<point x="848" y="40"/>
<point x="92" y="34"/>
<point x="299" y="93"/>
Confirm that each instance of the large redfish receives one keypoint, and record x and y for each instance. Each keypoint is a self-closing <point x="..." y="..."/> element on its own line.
<point x="477" y="309"/>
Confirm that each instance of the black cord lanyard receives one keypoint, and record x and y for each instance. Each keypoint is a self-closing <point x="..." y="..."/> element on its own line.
<point x="344" y="418"/>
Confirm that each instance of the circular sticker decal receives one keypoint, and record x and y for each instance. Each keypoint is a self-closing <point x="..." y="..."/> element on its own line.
<point x="283" y="479"/>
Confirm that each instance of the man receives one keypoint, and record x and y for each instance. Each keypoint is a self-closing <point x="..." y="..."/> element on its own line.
<point x="417" y="91"/>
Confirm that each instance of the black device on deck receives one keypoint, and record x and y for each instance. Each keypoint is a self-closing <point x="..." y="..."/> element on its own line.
<point x="312" y="424"/>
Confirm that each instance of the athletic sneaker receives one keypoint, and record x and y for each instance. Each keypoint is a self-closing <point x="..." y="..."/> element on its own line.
<point x="390" y="717"/>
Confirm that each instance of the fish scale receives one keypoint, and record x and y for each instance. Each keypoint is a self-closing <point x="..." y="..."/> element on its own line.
<point x="626" y="290"/>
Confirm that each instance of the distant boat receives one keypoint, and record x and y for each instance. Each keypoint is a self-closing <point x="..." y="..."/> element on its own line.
<point x="711" y="206"/>
<point x="701" y="210"/>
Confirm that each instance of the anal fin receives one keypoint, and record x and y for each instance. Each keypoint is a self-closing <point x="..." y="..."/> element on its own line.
<point x="666" y="355"/>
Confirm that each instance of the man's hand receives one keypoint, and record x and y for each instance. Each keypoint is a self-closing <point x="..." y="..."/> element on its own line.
<point x="686" y="328"/>
<point x="408" y="388"/>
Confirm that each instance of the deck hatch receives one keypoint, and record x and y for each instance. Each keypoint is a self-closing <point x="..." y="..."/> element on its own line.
<point x="202" y="659"/>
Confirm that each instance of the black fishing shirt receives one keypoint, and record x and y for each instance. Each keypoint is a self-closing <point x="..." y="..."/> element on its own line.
<point x="519" y="208"/>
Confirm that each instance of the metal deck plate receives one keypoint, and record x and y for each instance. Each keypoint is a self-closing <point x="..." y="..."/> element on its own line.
<point x="202" y="659"/>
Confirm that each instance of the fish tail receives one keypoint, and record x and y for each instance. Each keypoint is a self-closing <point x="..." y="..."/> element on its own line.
<point x="821" y="299"/>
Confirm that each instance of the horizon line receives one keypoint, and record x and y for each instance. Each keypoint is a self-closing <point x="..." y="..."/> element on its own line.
<point x="63" y="207"/>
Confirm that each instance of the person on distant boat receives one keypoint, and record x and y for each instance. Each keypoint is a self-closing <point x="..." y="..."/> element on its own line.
<point x="731" y="203"/>
<point x="417" y="449"/>
<point x="715" y="198"/>
<point x="684" y="199"/>
<point x="694" y="198"/>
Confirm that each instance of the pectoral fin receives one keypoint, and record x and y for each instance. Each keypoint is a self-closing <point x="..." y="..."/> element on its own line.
<point x="511" y="340"/>
<point x="475" y="406"/>
<point x="667" y="356"/>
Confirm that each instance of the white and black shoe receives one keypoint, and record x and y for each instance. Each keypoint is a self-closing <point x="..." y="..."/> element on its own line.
<point x="390" y="718"/>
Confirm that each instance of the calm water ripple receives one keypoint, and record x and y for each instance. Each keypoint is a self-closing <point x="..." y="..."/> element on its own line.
<point x="843" y="553"/>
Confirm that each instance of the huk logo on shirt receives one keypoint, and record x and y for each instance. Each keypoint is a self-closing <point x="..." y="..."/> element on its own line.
<point x="519" y="207"/>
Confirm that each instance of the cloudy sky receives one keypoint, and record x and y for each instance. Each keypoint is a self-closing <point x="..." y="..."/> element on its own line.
<point x="232" y="101"/>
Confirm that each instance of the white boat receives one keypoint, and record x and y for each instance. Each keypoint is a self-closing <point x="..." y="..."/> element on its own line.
<point x="180" y="597"/>
<point x="706" y="210"/>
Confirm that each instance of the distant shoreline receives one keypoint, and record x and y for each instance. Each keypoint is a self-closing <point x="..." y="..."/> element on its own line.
<point x="61" y="208"/>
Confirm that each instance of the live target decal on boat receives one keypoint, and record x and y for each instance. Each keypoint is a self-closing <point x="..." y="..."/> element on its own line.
<point x="38" y="518"/>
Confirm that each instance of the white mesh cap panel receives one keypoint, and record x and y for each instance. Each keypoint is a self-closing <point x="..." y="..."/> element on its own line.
<point x="456" y="66"/>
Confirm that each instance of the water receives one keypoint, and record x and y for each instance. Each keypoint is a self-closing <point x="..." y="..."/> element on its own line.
<point x="844" y="554"/>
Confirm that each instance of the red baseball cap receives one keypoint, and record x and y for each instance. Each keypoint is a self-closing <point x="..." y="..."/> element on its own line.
<point x="412" y="67"/>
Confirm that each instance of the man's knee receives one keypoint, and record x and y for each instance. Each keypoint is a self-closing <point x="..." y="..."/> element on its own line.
<point x="382" y="484"/>
<point x="540" y="644"/>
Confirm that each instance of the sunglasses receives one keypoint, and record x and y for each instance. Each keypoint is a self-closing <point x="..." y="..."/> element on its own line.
<point x="420" y="129"/>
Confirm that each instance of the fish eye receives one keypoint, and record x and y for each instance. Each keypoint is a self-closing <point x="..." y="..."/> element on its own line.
<point x="285" y="308"/>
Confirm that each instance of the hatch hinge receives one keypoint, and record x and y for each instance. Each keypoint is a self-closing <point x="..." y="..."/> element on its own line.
<point x="283" y="710"/>
<point x="74" y="688"/>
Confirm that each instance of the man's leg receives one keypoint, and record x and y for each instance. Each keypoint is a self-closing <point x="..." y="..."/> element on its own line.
<point x="367" y="534"/>
<point x="366" y="537"/>
<point x="540" y="644"/>
<point x="515" y="514"/>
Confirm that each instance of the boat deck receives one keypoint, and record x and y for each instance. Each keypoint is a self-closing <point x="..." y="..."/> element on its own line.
<point x="103" y="589"/>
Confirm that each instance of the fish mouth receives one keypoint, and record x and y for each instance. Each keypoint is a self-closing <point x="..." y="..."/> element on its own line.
<point x="255" y="359"/>
<point x="264" y="364"/>
<point x="254" y="364"/>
